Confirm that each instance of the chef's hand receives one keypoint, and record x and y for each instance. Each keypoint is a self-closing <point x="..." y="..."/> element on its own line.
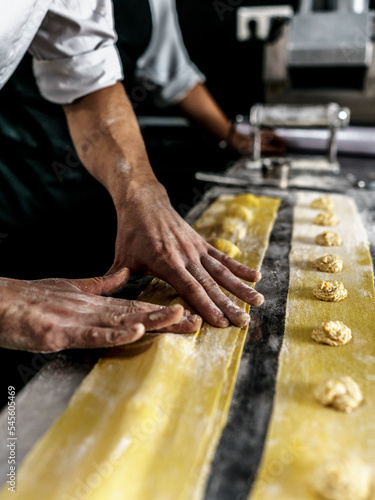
<point x="152" y="238"/>
<point x="271" y="143"/>
<point x="54" y="314"/>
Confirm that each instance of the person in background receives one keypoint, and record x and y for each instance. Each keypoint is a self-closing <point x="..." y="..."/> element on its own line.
<point x="48" y="201"/>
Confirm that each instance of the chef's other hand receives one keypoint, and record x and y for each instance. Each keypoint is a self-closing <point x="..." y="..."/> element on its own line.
<point x="54" y="314"/>
<point x="271" y="143"/>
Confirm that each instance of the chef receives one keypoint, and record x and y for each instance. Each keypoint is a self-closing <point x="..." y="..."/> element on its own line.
<point x="77" y="65"/>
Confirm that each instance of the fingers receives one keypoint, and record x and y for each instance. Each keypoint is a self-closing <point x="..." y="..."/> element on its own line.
<point x="103" y="285"/>
<point x="160" y="318"/>
<point x="271" y="150"/>
<point x="234" y="313"/>
<point x="118" y="310"/>
<point x="199" y="285"/>
<point x="112" y="312"/>
<point x="235" y="267"/>
<point x="230" y="282"/>
<point x="93" y="337"/>
<point x="204" y="294"/>
<point x="189" y="323"/>
<point x="193" y="292"/>
<point x="272" y="143"/>
<point x="115" y="311"/>
<point x="106" y="330"/>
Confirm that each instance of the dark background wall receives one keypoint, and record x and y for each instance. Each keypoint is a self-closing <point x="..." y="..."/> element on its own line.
<point x="233" y="68"/>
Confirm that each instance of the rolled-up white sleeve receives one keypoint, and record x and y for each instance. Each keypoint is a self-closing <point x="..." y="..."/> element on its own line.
<point x="166" y="62"/>
<point x="74" y="51"/>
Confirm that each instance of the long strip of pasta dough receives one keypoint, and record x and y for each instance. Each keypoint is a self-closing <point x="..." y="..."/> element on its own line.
<point x="145" y="422"/>
<point x="304" y="437"/>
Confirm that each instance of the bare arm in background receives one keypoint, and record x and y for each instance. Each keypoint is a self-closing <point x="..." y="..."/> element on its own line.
<point x="200" y="106"/>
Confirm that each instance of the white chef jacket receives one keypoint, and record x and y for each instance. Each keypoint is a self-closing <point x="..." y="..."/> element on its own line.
<point x="74" y="51"/>
<point x="165" y="61"/>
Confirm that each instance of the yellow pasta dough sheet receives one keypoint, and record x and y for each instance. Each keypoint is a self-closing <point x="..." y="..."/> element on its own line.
<point x="146" y="421"/>
<point x="306" y="439"/>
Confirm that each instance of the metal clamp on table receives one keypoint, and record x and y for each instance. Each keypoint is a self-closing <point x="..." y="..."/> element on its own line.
<point x="302" y="171"/>
<point x="330" y="116"/>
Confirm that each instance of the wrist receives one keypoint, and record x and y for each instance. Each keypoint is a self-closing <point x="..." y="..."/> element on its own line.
<point x="235" y="140"/>
<point x="125" y="179"/>
<point x="241" y="143"/>
<point x="228" y="139"/>
<point x="136" y="191"/>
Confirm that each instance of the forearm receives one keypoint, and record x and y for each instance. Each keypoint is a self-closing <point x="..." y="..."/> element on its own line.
<point x="108" y="141"/>
<point x="203" y="109"/>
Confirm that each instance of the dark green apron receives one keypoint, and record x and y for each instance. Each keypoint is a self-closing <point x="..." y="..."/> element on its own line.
<point x="55" y="219"/>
